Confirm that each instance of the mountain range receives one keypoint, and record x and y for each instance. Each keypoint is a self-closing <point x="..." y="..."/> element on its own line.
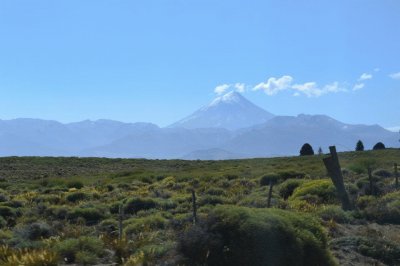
<point x="227" y="128"/>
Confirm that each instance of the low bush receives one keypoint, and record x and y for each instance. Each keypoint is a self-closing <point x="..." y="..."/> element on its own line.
<point x="138" y="204"/>
<point x="243" y="236"/>
<point x="266" y="180"/>
<point x="316" y="191"/>
<point x="57" y="212"/>
<point x="382" y="173"/>
<point x="75" y="184"/>
<point x="7" y="212"/>
<point x="380" y="249"/>
<point x="91" y="215"/>
<point x="109" y="227"/>
<point x="148" y="223"/>
<point x="77" y="196"/>
<point x="385" y="209"/>
<point x="335" y="213"/>
<point x="287" y="188"/>
<point x="210" y="200"/>
<point x="74" y="249"/>
<point x="35" y="231"/>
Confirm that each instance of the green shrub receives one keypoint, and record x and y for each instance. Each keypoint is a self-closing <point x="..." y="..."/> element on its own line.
<point x="76" y="248"/>
<point x="287" y="188"/>
<point x="382" y="173"/>
<point x="380" y="249"/>
<point x="148" y="223"/>
<point x="321" y="191"/>
<point x="3" y="222"/>
<point x="267" y="179"/>
<point x="57" y="212"/>
<point x="77" y="196"/>
<point x="4" y="198"/>
<point x="52" y="199"/>
<point x="244" y="236"/>
<point x="109" y="226"/>
<point x="91" y="215"/>
<point x="215" y="191"/>
<point x="210" y="200"/>
<point x="382" y="210"/>
<point x="75" y="184"/>
<point x="336" y="214"/>
<point x="35" y="231"/>
<point x="291" y="175"/>
<point x="138" y="204"/>
<point x="7" y="212"/>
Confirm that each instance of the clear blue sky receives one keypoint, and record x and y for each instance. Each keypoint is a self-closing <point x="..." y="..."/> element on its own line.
<point x="158" y="61"/>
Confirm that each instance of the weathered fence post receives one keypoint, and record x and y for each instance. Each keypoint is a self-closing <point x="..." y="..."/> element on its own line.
<point x="120" y="225"/>
<point x="396" y="175"/>
<point x="335" y="172"/>
<point x="371" y="183"/>
<point x="271" y="184"/>
<point x="194" y="207"/>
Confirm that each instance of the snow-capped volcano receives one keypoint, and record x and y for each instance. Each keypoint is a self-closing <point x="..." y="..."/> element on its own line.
<point x="231" y="111"/>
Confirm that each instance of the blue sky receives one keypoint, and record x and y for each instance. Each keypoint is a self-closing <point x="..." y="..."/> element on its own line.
<point x="158" y="61"/>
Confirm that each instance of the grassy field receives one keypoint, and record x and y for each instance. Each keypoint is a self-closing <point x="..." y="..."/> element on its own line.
<point x="66" y="211"/>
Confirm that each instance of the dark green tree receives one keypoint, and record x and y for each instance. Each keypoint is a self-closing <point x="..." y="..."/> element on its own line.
<point x="359" y="146"/>
<point x="379" y="146"/>
<point x="306" y="149"/>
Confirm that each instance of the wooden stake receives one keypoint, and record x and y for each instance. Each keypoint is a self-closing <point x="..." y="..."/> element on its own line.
<point x="335" y="172"/>
<point x="120" y="225"/>
<point x="396" y="175"/>
<point x="271" y="184"/>
<point x="194" y="207"/>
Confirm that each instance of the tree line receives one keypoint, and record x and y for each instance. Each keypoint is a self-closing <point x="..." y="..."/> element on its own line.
<point x="307" y="149"/>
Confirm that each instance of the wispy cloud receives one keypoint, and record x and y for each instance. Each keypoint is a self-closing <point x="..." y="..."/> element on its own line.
<point x="358" y="86"/>
<point x="240" y="87"/>
<point x="377" y="69"/>
<point x="395" y="75"/>
<point x="220" y="89"/>
<point x="365" y="76"/>
<point x="311" y="89"/>
<point x="275" y="85"/>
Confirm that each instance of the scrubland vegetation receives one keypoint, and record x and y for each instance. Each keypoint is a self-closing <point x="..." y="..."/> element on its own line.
<point x="56" y="211"/>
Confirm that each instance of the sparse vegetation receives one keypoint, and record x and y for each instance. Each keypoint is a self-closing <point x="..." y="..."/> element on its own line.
<point x="48" y="218"/>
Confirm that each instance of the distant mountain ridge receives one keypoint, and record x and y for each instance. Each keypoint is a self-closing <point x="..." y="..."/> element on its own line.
<point x="231" y="111"/>
<point x="229" y="127"/>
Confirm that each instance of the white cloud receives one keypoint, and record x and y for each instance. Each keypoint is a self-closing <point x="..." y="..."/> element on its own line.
<point x="221" y="88"/>
<point x="240" y="87"/>
<point x="274" y="85"/>
<point x="365" y="76"/>
<point x="395" y="75"/>
<point x="311" y="89"/>
<point x="358" y="86"/>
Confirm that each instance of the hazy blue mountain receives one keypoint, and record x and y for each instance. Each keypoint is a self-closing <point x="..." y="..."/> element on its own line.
<point x="231" y="111"/>
<point x="164" y="143"/>
<point x="284" y="135"/>
<point x="229" y="127"/>
<point x="212" y="154"/>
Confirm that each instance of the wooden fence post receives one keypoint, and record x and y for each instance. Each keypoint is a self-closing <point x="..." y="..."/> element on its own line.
<point x="271" y="184"/>
<point x="120" y="225"/>
<point x="194" y="207"/>
<point x="396" y="175"/>
<point x="335" y="172"/>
